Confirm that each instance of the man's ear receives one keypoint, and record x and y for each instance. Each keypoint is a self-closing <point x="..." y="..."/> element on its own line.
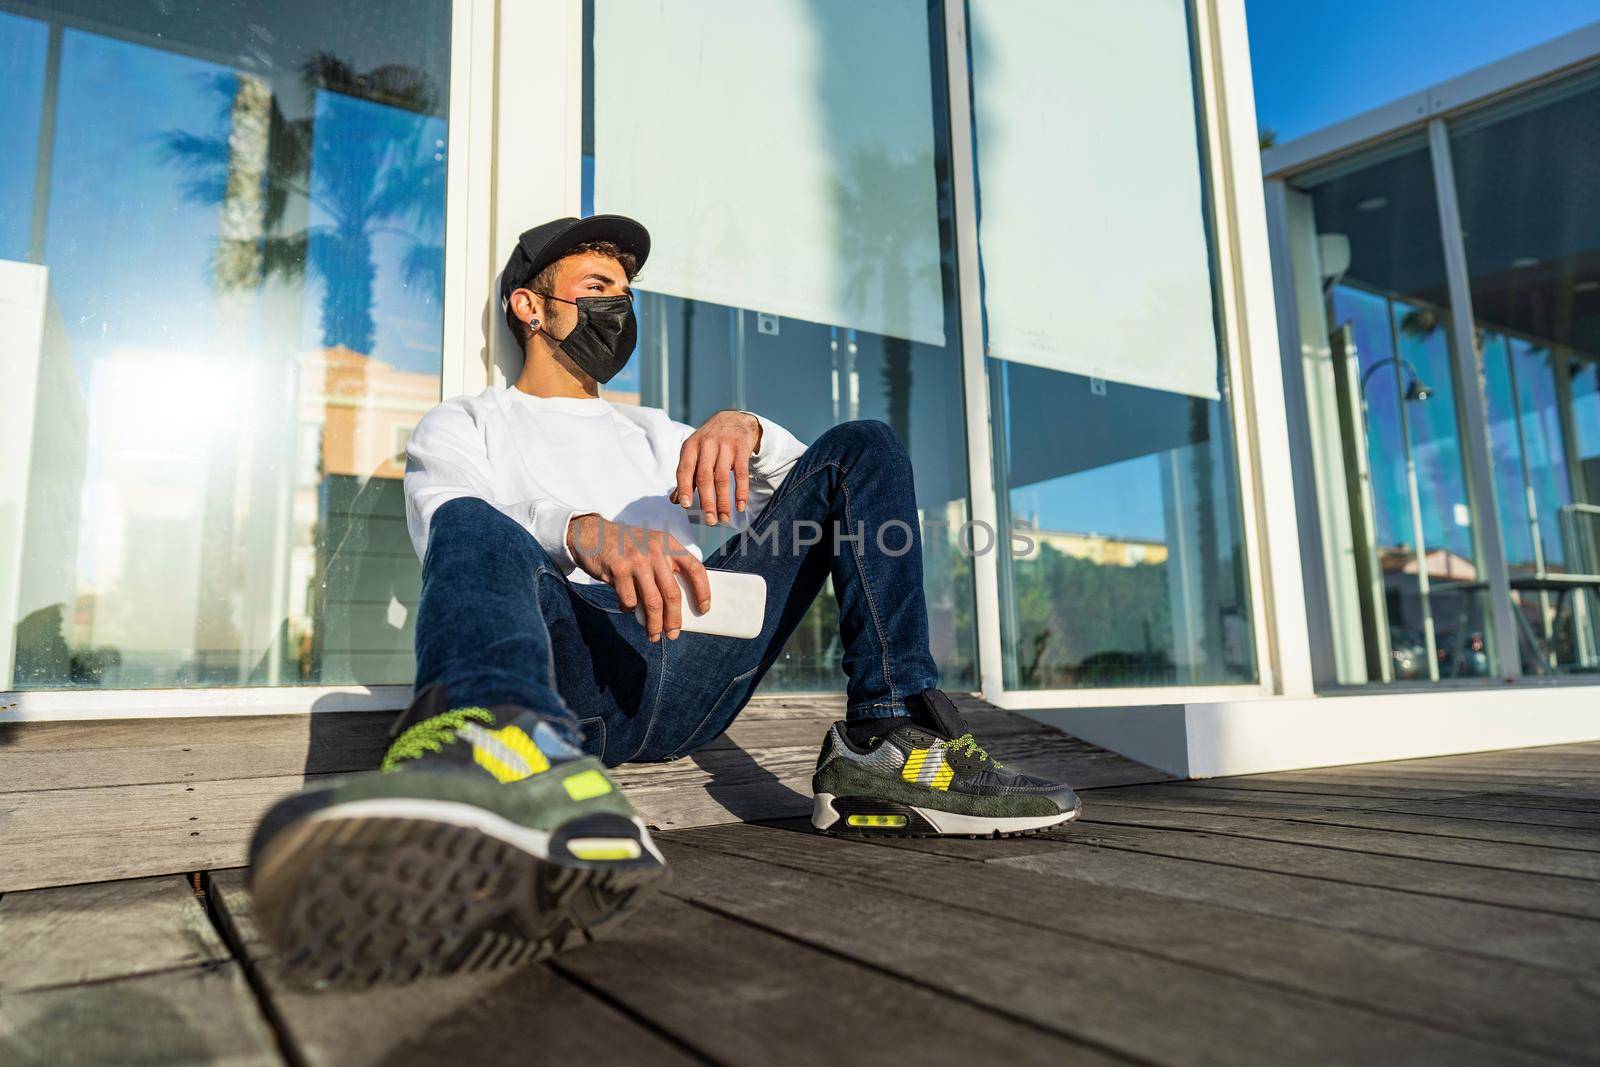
<point x="527" y="308"/>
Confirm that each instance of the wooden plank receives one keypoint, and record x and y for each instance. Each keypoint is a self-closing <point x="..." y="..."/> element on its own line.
<point x="1345" y="854"/>
<point x="1485" y="810"/>
<point x="533" y="1015"/>
<point x="80" y="835"/>
<point x="688" y="971"/>
<point x="199" y="1015"/>
<point x="64" y="755"/>
<point x="1441" y="810"/>
<point x="1176" y="864"/>
<point x="1448" y="777"/>
<point x="1416" y="787"/>
<point x="1536" y="801"/>
<point x="1491" y="999"/>
<point x="85" y="933"/>
<point x="1291" y="782"/>
<point x="1513" y="759"/>
<point x="1548" y="850"/>
<point x="1128" y="1002"/>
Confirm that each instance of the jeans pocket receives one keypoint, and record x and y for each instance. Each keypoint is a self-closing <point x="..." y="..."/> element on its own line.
<point x="594" y="737"/>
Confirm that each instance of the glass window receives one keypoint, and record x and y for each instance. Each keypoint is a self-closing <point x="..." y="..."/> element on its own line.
<point x="803" y="262"/>
<point x="228" y="282"/>
<point x="1405" y="587"/>
<point x="1531" y="225"/>
<point x="1112" y="420"/>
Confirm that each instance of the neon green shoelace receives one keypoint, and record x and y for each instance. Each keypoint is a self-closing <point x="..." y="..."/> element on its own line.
<point x="431" y="735"/>
<point x="967" y="745"/>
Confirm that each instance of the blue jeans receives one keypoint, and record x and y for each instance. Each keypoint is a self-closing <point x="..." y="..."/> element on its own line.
<point x="498" y="623"/>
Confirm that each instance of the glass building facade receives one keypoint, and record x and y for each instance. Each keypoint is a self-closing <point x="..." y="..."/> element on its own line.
<point x="225" y="247"/>
<point x="1446" y="297"/>
<point x="245" y="246"/>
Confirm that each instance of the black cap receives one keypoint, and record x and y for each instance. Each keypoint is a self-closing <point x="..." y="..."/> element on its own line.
<point x="543" y="245"/>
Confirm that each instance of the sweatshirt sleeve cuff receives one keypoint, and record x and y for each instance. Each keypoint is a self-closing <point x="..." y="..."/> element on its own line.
<point x="549" y="527"/>
<point x="779" y="448"/>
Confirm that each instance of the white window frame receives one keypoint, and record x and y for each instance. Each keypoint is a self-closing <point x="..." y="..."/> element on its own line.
<point x="1250" y="345"/>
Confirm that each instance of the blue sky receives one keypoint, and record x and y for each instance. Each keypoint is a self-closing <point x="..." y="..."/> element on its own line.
<point x="1317" y="63"/>
<point x="130" y="250"/>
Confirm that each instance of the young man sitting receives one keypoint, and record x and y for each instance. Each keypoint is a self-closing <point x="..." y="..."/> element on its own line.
<point x="544" y="515"/>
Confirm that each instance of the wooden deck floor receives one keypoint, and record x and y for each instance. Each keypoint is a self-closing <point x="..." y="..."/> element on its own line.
<point x="1441" y="910"/>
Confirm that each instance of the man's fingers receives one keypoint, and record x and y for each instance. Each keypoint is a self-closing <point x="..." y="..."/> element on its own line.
<point x="622" y="582"/>
<point x="706" y="476"/>
<point x="741" y="478"/>
<point x="671" y="595"/>
<point x="688" y="461"/>
<point x="724" y="486"/>
<point x="699" y="585"/>
<point x="650" y="594"/>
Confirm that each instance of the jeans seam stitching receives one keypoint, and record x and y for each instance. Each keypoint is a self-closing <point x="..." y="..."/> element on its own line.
<point x="866" y="590"/>
<point x="655" y="702"/>
<point x="682" y="750"/>
<point x="784" y="492"/>
<point x="604" y="733"/>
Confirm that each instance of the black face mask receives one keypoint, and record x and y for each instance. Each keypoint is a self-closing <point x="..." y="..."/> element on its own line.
<point x="602" y="341"/>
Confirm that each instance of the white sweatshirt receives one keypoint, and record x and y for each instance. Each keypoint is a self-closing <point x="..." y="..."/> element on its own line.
<point x="544" y="460"/>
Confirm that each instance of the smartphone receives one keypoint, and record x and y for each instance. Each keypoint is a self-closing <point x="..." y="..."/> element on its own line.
<point x="738" y="605"/>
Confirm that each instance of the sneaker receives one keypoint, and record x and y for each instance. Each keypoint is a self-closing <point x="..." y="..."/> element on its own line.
<point x="924" y="776"/>
<point x="486" y="840"/>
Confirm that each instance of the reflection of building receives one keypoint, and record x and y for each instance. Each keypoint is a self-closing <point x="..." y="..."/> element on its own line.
<point x="42" y="432"/>
<point x="1096" y="548"/>
<point x="1442" y="564"/>
<point x="366" y="409"/>
<point x="356" y="413"/>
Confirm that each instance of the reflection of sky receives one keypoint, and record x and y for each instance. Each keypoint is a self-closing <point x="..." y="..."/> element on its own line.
<point x="1118" y="500"/>
<point x="128" y="253"/>
<point x="22" y="54"/>
<point x="1532" y="403"/>
<point x="1316" y="64"/>
<point x="1435" y="442"/>
<point x="1586" y="409"/>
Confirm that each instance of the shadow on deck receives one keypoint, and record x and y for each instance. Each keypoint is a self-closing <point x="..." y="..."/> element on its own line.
<point x="1439" y="910"/>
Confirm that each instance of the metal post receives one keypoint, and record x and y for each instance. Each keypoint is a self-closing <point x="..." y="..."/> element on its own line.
<point x="1467" y="374"/>
<point x="986" y="567"/>
<point x="1419" y="541"/>
<point x="1530" y="500"/>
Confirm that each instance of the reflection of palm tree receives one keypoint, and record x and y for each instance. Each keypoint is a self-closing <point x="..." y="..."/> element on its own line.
<point x="881" y="239"/>
<point x="363" y="185"/>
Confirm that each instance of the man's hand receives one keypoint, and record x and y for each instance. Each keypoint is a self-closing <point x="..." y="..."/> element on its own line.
<point x="640" y="565"/>
<point x="725" y="443"/>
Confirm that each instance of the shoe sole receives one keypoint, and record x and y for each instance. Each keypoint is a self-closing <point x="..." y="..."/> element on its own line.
<point x="382" y="892"/>
<point x="884" y="818"/>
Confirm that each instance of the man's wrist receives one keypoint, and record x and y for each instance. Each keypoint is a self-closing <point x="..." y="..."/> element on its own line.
<point x="572" y="529"/>
<point x="755" y="420"/>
